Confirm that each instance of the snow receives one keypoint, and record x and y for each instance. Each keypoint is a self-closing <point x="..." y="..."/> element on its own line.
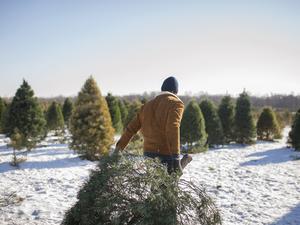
<point x="258" y="184"/>
<point x="48" y="182"/>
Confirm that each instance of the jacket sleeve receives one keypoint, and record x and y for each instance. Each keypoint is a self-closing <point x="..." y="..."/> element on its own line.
<point x="173" y="127"/>
<point x="132" y="128"/>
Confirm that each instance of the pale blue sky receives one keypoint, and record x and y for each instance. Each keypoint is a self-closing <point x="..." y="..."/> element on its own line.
<point x="131" y="46"/>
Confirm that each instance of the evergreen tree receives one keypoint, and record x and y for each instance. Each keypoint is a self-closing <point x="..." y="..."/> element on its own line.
<point x="55" y="119"/>
<point x="192" y="128"/>
<point x="90" y="125"/>
<point x="267" y="125"/>
<point x="124" y="111"/>
<point x="213" y="124"/>
<point x="245" y="131"/>
<point x="133" y="109"/>
<point x="26" y="115"/>
<point x="127" y="189"/>
<point x="114" y="111"/>
<point x="226" y="114"/>
<point x="67" y="110"/>
<point x="294" y="135"/>
<point x="4" y="119"/>
<point x="2" y="111"/>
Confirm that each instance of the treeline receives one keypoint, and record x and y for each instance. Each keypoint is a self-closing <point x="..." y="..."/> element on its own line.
<point x="93" y="120"/>
<point x="280" y="102"/>
<point x="206" y="125"/>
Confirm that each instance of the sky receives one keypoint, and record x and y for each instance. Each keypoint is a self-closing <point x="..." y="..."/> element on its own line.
<point x="131" y="46"/>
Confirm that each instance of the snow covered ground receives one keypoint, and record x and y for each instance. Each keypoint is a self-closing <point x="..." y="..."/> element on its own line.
<point x="48" y="182"/>
<point x="255" y="185"/>
<point x="252" y="185"/>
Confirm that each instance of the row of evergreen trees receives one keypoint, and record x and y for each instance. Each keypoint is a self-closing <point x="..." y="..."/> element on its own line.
<point x="205" y="124"/>
<point x="93" y="121"/>
<point x="26" y="114"/>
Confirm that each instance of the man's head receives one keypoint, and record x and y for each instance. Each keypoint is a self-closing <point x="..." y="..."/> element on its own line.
<point x="170" y="84"/>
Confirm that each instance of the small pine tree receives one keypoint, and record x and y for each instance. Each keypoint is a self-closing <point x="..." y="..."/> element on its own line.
<point x="294" y="134"/>
<point x="267" y="125"/>
<point x="55" y="119"/>
<point x="213" y="124"/>
<point x="67" y="110"/>
<point x="114" y="111"/>
<point x="90" y="125"/>
<point x="17" y="142"/>
<point x="192" y="128"/>
<point x="2" y="111"/>
<point x="245" y="131"/>
<point x="124" y="111"/>
<point x="26" y="115"/>
<point x="226" y="114"/>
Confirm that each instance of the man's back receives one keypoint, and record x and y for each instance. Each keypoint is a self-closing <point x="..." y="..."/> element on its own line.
<point x="159" y="121"/>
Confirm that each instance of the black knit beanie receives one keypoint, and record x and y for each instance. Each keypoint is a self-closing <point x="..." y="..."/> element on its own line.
<point x="170" y="84"/>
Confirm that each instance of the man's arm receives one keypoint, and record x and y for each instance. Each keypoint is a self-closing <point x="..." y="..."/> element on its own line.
<point x="132" y="128"/>
<point x="173" y="127"/>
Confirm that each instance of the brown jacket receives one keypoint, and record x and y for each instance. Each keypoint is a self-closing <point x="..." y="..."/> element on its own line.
<point x="159" y="122"/>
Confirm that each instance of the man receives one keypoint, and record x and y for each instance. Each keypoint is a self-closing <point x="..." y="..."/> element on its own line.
<point x="159" y="122"/>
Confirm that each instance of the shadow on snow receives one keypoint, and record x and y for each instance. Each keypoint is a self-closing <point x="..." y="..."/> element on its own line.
<point x="291" y="218"/>
<point x="53" y="164"/>
<point x="271" y="156"/>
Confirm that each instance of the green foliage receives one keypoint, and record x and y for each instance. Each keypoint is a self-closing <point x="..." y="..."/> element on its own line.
<point x="55" y="119"/>
<point x="67" y="110"/>
<point x="144" y="100"/>
<point x="17" y="142"/>
<point x="123" y="111"/>
<point x="267" y="125"/>
<point x="2" y="111"/>
<point x="129" y="189"/>
<point x="226" y="114"/>
<point x="115" y="112"/>
<point x="91" y="127"/>
<point x="280" y="119"/>
<point x="26" y="115"/>
<point x="4" y="119"/>
<point x="284" y="118"/>
<point x="213" y="124"/>
<point x="136" y="145"/>
<point x="245" y="131"/>
<point x="294" y="135"/>
<point x="192" y="128"/>
<point x="133" y="109"/>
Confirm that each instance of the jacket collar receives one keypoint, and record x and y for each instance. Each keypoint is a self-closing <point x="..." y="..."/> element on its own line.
<point x="168" y="93"/>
